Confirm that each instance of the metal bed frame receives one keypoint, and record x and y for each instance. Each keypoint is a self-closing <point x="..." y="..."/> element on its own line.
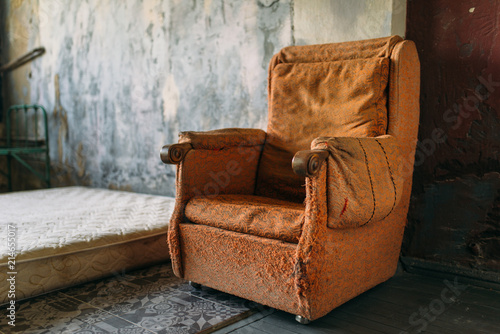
<point x="23" y="138"/>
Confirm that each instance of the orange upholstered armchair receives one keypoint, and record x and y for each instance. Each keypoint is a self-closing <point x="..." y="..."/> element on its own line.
<point x="311" y="213"/>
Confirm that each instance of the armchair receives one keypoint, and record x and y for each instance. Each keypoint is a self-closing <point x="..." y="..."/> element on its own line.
<point x="310" y="213"/>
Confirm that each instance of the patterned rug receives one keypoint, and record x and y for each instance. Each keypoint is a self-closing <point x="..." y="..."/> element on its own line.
<point x="151" y="300"/>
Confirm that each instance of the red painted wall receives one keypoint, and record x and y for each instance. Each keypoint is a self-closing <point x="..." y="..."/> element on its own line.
<point x="454" y="216"/>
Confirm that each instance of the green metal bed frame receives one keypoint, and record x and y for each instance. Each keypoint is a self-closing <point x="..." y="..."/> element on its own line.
<point x="22" y="124"/>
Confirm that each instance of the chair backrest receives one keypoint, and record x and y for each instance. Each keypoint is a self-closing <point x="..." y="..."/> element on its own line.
<point x="322" y="90"/>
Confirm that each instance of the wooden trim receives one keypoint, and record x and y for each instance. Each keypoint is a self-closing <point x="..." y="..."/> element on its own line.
<point x="307" y="163"/>
<point x="175" y="153"/>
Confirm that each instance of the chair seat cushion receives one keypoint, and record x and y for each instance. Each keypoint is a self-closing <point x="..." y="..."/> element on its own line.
<point x="261" y="216"/>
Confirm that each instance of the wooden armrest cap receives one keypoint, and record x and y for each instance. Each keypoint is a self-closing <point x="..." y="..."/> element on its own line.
<point x="307" y="163"/>
<point x="175" y="153"/>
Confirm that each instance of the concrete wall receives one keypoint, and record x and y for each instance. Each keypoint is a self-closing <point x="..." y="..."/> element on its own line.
<point x="455" y="210"/>
<point x="122" y="78"/>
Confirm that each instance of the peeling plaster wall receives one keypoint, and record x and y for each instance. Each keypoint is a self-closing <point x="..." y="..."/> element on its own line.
<point x="127" y="86"/>
<point x="455" y="209"/>
<point x="122" y="78"/>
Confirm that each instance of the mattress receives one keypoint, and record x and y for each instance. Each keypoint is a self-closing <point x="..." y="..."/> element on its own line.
<point x="67" y="236"/>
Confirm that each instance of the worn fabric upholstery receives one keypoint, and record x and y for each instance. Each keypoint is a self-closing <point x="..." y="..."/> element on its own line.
<point x="339" y="264"/>
<point x="369" y="48"/>
<point x="206" y="172"/>
<point x="223" y="138"/>
<point x="344" y="247"/>
<point x="262" y="216"/>
<point x="307" y="100"/>
<point x="364" y="179"/>
<point x="244" y="265"/>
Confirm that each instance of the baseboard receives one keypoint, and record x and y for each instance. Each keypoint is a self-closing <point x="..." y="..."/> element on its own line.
<point x="486" y="279"/>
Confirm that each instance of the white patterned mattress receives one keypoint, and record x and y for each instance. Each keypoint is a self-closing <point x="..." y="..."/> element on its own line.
<point x="67" y="236"/>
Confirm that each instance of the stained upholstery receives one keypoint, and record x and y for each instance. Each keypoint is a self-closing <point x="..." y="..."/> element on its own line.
<point x="344" y="247"/>
<point x="364" y="179"/>
<point x="261" y="216"/>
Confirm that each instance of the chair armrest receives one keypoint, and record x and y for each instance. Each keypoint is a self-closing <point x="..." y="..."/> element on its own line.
<point x="215" y="162"/>
<point x="210" y="140"/>
<point x="223" y="138"/>
<point x="307" y="163"/>
<point x="208" y="164"/>
<point x="174" y="154"/>
<point x="364" y="179"/>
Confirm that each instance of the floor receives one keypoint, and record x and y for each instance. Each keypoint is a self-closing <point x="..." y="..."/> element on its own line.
<point x="154" y="301"/>
<point x="405" y="304"/>
<point x="151" y="300"/>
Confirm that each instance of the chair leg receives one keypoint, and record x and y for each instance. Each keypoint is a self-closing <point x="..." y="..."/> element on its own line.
<point x="301" y="320"/>
<point x="195" y="285"/>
